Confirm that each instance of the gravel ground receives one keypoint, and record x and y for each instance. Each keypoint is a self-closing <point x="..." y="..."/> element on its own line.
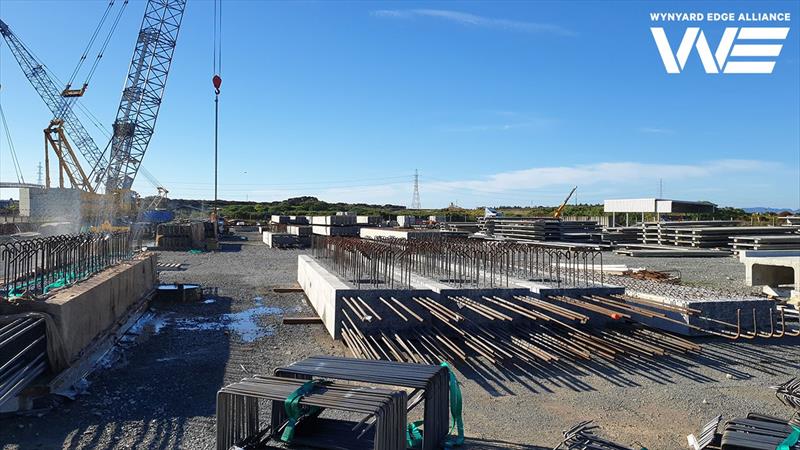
<point x="725" y="273"/>
<point x="159" y="391"/>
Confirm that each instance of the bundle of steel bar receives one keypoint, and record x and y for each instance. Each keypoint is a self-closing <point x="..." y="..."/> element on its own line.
<point x="582" y="437"/>
<point x="429" y="382"/>
<point x="35" y="266"/>
<point x="707" y="437"/>
<point x="238" y="422"/>
<point x="756" y="432"/>
<point x="789" y="394"/>
<point x="460" y="262"/>
<point x="23" y="354"/>
<point x="509" y="331"/>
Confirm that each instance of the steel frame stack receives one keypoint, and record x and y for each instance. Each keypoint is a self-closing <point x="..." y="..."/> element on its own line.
<point x="430" y="384"/>
<point x="383" y="410"/>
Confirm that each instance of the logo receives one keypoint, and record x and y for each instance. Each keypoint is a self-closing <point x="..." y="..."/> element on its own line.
<point x="736" y="42"/>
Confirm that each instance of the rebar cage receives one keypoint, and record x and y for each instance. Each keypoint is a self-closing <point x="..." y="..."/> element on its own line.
<point x="392" y="262"/>
<point x="33" y="267"/>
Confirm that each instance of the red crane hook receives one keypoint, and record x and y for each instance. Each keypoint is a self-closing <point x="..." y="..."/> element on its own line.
<point x="217" y="80"/>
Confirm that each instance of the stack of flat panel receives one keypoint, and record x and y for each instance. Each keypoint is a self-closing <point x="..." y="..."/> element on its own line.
<point x="469" y="227"/>
<point x="432" y="383"/>
<point x="767" y="242"/>
<point x="792" y="220"/>
<point x="522" y="228"/>
<point x="238" y="422"/>
<point x="665" y="232"/>
<point x="621" y="235"/>
<point x="710" y="237"/>
<point x="586" y="231"/>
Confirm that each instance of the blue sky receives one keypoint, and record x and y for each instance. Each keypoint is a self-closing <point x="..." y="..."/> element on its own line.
<point x="495" y="103"/>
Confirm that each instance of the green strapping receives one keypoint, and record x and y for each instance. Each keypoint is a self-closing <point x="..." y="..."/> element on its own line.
<point x="790" y="440"/>
<point x="414" y="432"/>
<point x="456" y="404"/>
<point x="294" y="411"/>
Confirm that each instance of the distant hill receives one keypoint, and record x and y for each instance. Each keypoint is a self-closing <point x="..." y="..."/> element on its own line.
<point x="765" y="210"/>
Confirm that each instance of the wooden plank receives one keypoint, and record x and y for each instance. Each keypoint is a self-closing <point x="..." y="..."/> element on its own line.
<point x="302" y="320"/>
<point x="285" y="289"/>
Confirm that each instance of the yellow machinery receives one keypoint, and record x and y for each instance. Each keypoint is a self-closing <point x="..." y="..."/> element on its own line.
<point x="55" y="139"/>
<point x="560" y="209"/>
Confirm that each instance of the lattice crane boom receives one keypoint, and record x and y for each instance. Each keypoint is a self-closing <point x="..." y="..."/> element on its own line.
<point x="60" y="107"/>
<point x="143" y="92"/>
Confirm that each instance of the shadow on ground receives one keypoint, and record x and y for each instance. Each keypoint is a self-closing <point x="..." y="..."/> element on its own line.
<point x="717" y="359"/>
<point x="150" y="391"/>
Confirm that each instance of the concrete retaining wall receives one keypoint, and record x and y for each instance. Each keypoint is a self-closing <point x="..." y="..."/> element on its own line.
<point x="86" y="310"/>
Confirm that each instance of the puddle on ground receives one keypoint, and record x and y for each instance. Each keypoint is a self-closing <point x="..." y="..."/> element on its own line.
<point x="244" y="324"/>
<point x="150" y="323"/>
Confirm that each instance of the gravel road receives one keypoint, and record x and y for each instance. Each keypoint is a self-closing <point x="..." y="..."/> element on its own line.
<point x="158" y="392"/>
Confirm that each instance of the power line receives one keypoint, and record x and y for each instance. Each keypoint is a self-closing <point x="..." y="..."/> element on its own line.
<point x="17" y="169"/>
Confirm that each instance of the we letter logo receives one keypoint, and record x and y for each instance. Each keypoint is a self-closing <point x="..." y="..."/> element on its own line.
<point x="728" y="47"/>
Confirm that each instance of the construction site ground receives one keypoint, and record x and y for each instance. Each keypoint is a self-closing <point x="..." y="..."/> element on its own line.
<point x="159" y="390"/>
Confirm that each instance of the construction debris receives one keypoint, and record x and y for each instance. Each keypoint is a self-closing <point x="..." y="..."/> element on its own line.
<point x="582" y="437"/>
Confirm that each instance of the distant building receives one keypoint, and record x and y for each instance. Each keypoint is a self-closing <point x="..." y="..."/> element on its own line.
<point x="655" y="206"/>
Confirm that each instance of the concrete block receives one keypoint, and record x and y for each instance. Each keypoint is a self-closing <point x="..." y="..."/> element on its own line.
<point x="333" y="220"/>
<point x="771" y="267"/>
<point x="84" y="311"/>
<point x="279" y="240"/>
<point x="299" y="220"/>
<point x="299" y="230"/>
<point x="335" y="231"/>
<point x="279" y="219"/>
<point x="406" y="221"/>
<point x="368" y="220"/>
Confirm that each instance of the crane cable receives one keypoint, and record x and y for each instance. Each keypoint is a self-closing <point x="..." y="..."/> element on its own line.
<point x="17" y="169"/>
<point x="90" y="43"/>
<point x="217" y="82"/>
<point x="103" y="46"/>
<point x="105" y="43"/>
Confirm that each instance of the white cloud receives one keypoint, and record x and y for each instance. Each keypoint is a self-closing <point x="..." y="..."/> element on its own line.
<point x="735" y="182"/>
<point x="475" y="20"/>
<point x="615" y="173"/>
<point x="656" y="130"/>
